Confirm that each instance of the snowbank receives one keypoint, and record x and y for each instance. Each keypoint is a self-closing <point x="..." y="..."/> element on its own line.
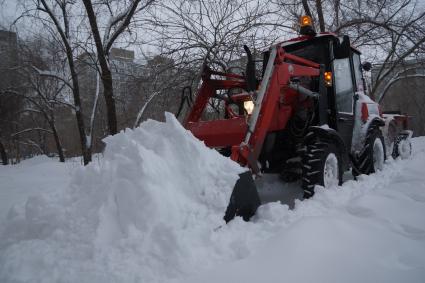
<point x="147" y="209"/>
<point x="151" y="211"/>
<point x="371" y="230"/>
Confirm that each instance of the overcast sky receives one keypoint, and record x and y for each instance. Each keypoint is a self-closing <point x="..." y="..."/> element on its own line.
<point x="10" y="10"/>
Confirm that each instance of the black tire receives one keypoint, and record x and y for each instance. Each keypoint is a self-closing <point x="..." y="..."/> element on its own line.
<point x="398" y="151"/>
<point x="313" y="165"/>
<point x="365" y="162"/>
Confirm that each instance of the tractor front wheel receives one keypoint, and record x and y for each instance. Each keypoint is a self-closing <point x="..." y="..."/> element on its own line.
<point x="322" y="165"/>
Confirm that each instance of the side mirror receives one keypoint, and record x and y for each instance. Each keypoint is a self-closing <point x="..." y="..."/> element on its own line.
<point x="342" y="47"/>
<point x="367" y="66"/>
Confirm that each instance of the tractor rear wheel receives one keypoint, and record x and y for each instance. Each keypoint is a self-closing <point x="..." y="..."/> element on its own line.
<point x="402" y="147"/>
<point x="322" y="165"/>
<point x="373" y="155"/>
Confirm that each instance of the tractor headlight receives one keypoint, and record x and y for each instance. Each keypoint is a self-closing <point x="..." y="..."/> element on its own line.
<point x="328" y="79"/>
<point x="249" y="106"/>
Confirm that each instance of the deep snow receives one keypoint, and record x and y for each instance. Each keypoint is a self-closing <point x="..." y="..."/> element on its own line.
<point x="372" y="230"/>
<point x="151" y="211"/>
<point x="31" y="177"/>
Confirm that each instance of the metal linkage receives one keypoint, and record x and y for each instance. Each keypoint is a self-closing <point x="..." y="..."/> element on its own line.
<point x="262" y="91"/>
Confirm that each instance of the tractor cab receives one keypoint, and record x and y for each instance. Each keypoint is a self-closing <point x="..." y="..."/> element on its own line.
<point x="343" y="78"/>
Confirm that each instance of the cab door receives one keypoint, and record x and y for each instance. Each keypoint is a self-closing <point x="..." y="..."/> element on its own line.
<point x="344" y="98"/>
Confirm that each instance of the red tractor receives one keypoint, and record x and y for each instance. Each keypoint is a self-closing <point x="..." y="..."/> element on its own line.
<point x="303" y="115"/>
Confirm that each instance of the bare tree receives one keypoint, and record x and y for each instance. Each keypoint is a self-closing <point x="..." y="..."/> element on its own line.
<point x="162" y="82"/>
<point x="91" y="29"/>
<point x="59" y="18"/>
<point x="44" y="99"/>
<point x="3" y="154"/>
<point x="41" y="93"/>
<point x="10" y="104"/>
<point x="203" y="32"/>
<point x="120" y="17"/>
<point x="200" y="33"/>
<point x="46" y="89"/>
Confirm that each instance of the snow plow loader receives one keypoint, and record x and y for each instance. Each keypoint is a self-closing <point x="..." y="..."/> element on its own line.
<point x="303" y="114"/>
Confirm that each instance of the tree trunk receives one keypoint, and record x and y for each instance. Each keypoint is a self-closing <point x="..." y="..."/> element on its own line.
<point x="306" y="8"/>
<point x="3" y="154"/>
<point x="336" y="7"/>
<point x="106" y="77"/>
<point x="108" y="93"/>
<point x="78" y="113"/>
<point x="57" y="142"/>
<point x="78" y="107"/>
<point x="320" y="15"/>
<point x="75" y="85"/>
<point x="18" y="152"/>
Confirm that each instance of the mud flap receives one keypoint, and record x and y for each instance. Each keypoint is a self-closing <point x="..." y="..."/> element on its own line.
<point x="244" y="200"/>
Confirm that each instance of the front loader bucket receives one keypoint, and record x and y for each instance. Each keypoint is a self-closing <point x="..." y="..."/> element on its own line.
<point x="244" y="200"/>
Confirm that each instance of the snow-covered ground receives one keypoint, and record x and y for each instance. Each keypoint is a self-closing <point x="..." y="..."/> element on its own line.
<point x="31" y="177"/>
<point x="151" y="211"/>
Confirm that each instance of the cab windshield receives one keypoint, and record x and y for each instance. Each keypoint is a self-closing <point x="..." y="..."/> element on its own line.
<point x="313" y="51"/>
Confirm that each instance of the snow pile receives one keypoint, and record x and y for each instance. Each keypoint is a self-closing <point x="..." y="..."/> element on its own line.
<point x="148" y="208"/>
<point x="370" y="230"/>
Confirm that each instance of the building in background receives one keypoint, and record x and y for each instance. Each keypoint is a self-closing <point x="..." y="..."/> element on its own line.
<point x="10" y="103"/>
<point x="8" y="58"/>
